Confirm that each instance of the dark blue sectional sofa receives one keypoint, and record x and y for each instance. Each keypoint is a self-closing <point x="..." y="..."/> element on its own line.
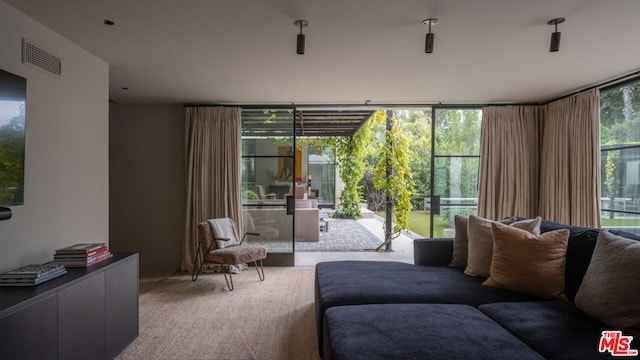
<point x="391" y="310"/>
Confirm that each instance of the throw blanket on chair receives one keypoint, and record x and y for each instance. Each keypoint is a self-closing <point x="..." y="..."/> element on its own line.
<point x="224" y="228"/>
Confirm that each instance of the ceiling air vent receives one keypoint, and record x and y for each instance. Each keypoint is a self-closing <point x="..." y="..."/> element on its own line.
<point x="32" y="54"/>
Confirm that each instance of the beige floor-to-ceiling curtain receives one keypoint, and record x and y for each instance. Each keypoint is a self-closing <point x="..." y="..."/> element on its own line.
<point x="569" y="161"/>
<point x="213" y="153"/>
<point x="509" y="162"/>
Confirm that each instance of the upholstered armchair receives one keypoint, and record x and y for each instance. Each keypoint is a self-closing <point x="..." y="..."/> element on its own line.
<point x="218" y="244"/>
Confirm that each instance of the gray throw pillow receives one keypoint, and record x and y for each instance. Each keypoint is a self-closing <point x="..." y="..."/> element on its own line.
<point x="610" y="290"/>
<point x="460" y="242"/>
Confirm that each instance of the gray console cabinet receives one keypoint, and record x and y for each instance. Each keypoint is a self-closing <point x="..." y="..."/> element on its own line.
<point x="90" y="313"/>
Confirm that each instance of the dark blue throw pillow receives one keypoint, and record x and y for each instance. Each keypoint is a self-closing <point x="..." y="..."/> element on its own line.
<point x="582" y="242"/>
<point x="579" y="252"/>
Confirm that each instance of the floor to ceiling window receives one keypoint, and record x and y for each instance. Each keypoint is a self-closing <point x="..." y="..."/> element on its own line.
<point x="445" y="158"/>
<point x="620" y="156"/>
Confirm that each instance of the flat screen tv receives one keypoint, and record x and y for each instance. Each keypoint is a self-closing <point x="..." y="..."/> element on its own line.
<point x="13" y="100"/>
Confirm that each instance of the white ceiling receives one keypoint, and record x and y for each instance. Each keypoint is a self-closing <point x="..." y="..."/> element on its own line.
<point x="244" y="51"/>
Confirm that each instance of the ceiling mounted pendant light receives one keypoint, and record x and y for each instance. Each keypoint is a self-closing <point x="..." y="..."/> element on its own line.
<point x="428" y="44"/>
<point x="301" y="38"/>
<point x="555" y="36"/>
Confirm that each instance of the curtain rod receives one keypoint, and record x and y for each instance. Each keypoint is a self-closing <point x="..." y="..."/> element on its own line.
<point x="373" y="107"/>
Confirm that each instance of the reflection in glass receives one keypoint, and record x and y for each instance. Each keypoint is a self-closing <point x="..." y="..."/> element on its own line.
<point x="458" y="131"/>
<point x="456" y="181"/>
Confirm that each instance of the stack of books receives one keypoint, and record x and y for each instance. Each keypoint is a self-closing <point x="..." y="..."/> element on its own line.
<point x="82" y="255"/>
<point x="32" y="275"/>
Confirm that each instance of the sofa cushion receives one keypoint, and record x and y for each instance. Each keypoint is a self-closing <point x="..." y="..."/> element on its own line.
<point x="555" y="329"/>
<point x="481" y="243"/>
<point x="527" y="263"/>
<point x="460" y="242"/>
<point x="417" y="331"/>
<point x="610" y="290"/>
<point x="384" y="282"/>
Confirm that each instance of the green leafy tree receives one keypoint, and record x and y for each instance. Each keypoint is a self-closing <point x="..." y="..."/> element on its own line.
<point x="416" y="125"/>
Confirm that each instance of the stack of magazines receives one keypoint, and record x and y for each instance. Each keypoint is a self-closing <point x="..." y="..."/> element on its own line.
<point x="82" y="255"/>
<point x="32" y="275"/>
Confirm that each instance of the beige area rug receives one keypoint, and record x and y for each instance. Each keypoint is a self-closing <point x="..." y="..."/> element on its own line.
<point x="274" y="319"/>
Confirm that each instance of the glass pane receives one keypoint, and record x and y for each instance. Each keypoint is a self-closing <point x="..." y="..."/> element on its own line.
<point x="620" y="176"/>
<point x="619" y="221"/>
<point x="248" y="178"/>
<point x="264" y="132"/>
<point x="274" y="226"/>
<point x="456" y="182"/>
<point x="620" y="115"/>
<point x="458" y="131"/>
<point x="620" y="157"/>
<point x="269" y="170"/>
<point x="321" y="179"/>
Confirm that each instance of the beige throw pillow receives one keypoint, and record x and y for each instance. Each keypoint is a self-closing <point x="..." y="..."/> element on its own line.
<point x="529" y="264"/>
<point x="481" y="242"/>
<point x="610" y="290"/>
<point x="460" y="242"/>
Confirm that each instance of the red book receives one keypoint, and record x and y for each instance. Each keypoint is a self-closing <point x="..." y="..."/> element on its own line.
<point x="97" y="251"/>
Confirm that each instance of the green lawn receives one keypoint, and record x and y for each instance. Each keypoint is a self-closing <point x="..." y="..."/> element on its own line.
<point x="419" y="223"/>
<point x="620" y="222"/>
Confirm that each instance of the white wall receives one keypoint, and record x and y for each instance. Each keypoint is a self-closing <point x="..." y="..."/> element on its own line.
<point x="66" y="165"/>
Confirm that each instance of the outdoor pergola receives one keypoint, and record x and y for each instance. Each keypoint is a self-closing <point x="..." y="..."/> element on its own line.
<point x="309" y="123"/>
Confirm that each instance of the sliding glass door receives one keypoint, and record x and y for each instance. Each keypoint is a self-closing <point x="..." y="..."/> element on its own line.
<point x="268" y="175"/>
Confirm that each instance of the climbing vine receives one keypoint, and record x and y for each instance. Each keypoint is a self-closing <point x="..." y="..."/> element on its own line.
<point x="399" y="186"/>
<point x="350" y="153"/>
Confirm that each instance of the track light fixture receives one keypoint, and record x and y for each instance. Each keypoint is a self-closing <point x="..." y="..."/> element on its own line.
<point x="301" y="38"/>
<point x="428" y="45"/>
<point x="555" y="36"/>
